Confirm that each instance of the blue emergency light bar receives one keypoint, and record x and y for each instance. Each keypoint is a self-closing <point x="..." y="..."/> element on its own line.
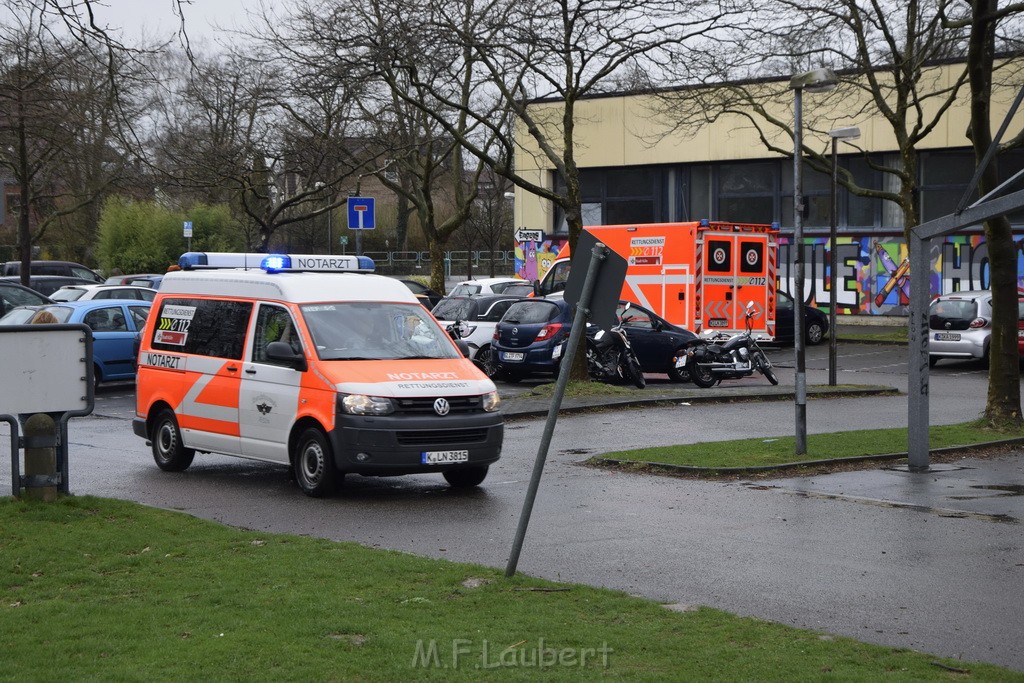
<point x="277" y="263"/>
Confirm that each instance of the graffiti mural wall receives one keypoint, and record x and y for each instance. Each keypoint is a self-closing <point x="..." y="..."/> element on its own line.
<point x="873" y="276"/>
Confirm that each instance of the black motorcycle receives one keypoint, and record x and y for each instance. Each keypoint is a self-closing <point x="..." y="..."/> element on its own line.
<point x="610" y="358"/>
<point x="710" y="363"/>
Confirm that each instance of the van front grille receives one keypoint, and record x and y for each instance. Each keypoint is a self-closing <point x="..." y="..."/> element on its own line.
<point x="425" y="406"/>
<point x="433" y="437"/>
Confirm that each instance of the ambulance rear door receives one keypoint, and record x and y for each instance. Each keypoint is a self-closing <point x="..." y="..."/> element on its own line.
<point x="734" y="268"/>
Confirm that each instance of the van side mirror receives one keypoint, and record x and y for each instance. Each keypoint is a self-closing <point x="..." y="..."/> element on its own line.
<point x="282" y="353"/>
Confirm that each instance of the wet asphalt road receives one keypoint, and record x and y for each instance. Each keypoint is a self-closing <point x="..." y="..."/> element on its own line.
<point x="931" y="561"/>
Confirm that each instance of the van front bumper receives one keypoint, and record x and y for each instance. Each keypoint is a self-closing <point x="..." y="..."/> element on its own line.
<point x="393" y="445"/>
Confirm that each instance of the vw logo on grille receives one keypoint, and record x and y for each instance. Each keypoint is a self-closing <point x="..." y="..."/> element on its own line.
<point x="441" y="406"/>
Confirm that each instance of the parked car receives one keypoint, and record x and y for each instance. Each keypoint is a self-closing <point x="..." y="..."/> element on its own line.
<point x="19" y="315"/>
<point x="530" y="339"/>
<point x="493" y="285"/>
<point x="151" y="280"/>
<point x="66" y="268"/>
<point x="116" y="326"/>
<point x="87" y="292"/>
<point x="427" y="296"/>
<point x="960" y="326"/>
<point x="815" y="322"/>
<point x="655" y="341"/>
<point x="480" y="313"/>
<point x="48" y="284"/>
<point x="13" y="295"/>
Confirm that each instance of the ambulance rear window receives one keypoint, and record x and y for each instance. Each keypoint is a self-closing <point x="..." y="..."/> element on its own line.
<point x="205" y="327"/>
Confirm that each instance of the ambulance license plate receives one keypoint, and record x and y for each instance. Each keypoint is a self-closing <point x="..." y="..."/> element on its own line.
<point x="512" y="356"/>
<point x="947" y="336"/>
<point x="444" y="457"/>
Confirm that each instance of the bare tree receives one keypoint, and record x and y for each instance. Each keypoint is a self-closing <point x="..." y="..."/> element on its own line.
<point x="1002" y="407"/>
<point x="515" y="53"/>
<point x="66" y="110"/>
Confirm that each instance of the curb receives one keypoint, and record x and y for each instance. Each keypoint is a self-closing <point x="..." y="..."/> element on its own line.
<point x="575" y="406"/>
<point x="598" y="461"/>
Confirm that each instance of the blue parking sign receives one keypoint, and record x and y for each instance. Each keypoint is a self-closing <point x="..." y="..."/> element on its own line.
<point x="361" y="213"/>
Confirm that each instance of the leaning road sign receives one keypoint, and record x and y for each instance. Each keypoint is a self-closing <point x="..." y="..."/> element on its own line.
<point x="361" y="213"/>
<point x="526" y="235"/>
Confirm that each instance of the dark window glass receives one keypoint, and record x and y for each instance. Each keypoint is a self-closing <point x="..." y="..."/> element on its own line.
<point x="719" y="256"/>
<point x="495" y="312"/>
<point x="746" y="178"/>
<point x="452" y="309"/>
<point x="749" y="209"/>
<point x="630" y="182"/>
<point x="751" y="257"/>
<point x="204" y="327"/>
<point x="636" y="211"/>
<point x="526" y="312"/>
<point x="700" y="194"/>
<point x="955" y="168"/>
<point x="274" y="323"/>
<point x="860" y="211"/>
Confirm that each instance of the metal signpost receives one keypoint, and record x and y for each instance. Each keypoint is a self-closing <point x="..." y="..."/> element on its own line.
<point x="361" y="216"/>
<point x="54" y="379"/>
<point x="188" y="234"/>
<point x="604" y="271"/>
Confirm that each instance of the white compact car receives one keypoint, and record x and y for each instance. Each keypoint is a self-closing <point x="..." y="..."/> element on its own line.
<point x="960" y="326"/>
<point x="86" y="292"/>
<point x="493" y="285"/>
<point x="478" y="315"/>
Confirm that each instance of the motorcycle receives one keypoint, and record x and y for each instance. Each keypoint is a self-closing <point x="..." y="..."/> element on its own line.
<point x="610" y="358"/>
<point x="710" y="363"/>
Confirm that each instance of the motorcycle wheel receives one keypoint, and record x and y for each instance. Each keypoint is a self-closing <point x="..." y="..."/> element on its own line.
<point x="633" y="372"/>
<point x="766" y="369"/>
<point x="702" y="377"/>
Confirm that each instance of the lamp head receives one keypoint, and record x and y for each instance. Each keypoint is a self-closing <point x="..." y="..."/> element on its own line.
<point x="816" y="80"/>
<point x="851" y="133"/>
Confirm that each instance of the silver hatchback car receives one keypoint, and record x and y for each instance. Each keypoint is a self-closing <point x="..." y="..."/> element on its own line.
<point x="960" y="326"/>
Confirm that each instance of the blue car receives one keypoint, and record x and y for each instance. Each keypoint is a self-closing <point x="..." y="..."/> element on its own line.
<point x="529" y="339"/>
<point x="116" y="327"/>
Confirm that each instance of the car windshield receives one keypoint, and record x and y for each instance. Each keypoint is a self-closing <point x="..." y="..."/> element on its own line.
<point x="453" y="309"/>
<point x="526" y="312"/>
<point x="67" y="294"/>
<point x="376" y="331"/>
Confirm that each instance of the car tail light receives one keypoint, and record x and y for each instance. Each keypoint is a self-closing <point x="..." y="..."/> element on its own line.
<point x="977" y="323"/>
<point x="549" y="330"/>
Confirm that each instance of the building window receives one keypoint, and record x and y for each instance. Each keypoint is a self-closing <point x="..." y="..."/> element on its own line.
<point x="747" y="192"/>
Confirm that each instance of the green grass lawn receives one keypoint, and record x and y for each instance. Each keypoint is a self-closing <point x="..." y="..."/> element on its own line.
<point x="98" y="589"/>
<point x="781" y="450"/>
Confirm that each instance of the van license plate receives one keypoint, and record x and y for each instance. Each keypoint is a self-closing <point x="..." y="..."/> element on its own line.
<point x="947" y="336"/>
<point x="512" y="356"/>
<point x="444" y="457"/>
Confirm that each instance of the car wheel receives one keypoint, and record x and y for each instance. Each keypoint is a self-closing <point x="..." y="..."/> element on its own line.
<point x="169" y="452"/>
<point x="483" y="360"/>
<point x="678" y="374"/>
<point x="315" y="472"/>
<point x="97" y="377"/>
<point x="465" y="477"/>
<point x="815" y="332"/>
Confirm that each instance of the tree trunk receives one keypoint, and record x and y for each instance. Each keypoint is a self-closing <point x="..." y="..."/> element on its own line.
<point x="1002" y="407"/>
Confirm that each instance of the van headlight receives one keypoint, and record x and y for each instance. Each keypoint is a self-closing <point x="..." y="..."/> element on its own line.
<point x="491" y="402"/>
<point x="360" y="404"/>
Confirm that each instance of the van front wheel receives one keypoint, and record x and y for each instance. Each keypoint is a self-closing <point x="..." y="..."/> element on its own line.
<point x="465" y="477"/>
<point x="314" y="464"/>
<point x="169" y="452"/>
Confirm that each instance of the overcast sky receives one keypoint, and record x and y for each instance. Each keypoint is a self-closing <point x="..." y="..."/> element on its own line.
<point x="157" y="19"/>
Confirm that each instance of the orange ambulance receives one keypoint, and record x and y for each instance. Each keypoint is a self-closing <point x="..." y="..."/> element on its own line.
<point x="698" y="275"/>
<point x="312" y="362"/>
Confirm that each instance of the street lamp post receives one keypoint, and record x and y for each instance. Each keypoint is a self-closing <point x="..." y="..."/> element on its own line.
<point x="833" y="260"/>
<point x="817" y="80"/>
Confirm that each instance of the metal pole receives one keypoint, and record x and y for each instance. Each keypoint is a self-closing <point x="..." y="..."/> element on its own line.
<point x="330" y="232"/>
<point x="833" y="265"/>
<point x="800" y="395"/>
<point x="579" y="325"/>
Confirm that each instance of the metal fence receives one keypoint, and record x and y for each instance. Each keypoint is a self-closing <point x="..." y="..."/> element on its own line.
<point x="456" y="263"/>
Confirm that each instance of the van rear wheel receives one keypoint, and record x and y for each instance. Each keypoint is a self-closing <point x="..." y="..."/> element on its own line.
<point x="313" y="463"/>
<point x="464" y="477"/>
<point x="169" y="451"/>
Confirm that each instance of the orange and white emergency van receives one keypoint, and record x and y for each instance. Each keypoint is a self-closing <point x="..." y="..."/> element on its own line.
<point x="312" y="362"/>
<point x="698" y="275"/>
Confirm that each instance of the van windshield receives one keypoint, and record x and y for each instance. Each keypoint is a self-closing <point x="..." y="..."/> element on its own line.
<point x="375" y="331"/>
